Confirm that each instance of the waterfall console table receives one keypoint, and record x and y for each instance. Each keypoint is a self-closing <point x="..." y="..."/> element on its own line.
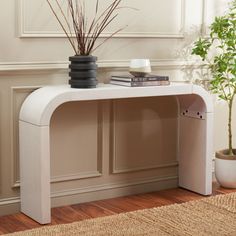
<point x="195" y="111"/>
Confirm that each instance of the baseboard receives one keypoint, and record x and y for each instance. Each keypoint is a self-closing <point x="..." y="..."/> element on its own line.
<point x="9" y="205"/>
<point x="111" y="190"/>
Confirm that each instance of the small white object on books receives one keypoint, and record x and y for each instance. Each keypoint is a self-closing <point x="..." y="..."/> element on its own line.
<point x="140" y="67"/>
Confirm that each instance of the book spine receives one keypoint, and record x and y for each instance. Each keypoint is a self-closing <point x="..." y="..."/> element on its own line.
<point x="149" y="83"/>
<point x="140" y="79"/>
<point x="143" y="79"/>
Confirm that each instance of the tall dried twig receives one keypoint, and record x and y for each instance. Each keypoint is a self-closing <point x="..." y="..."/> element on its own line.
<point x="85" y="35"/>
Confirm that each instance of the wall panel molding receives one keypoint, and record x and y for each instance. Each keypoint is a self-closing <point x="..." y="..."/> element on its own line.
<point x="204" y="16"/>
<point x="30" y="33"/>
<point x="15" y="100"/>
<point x="115" y="168"/>
<point x="80" y="143"/>
<point x="218" y="8"/>
<point x="32" y="66"/>
<point x="64" y="178"/>
<point x="28" y="67"/>
<point x="109" y="186"/>
<point x="84" y="175"/>
<point x="14" y="114"/>
<point x="205" y="25"/>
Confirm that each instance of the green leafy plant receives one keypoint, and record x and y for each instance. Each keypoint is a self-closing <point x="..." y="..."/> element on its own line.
<point x="82" y="32"/>
<point x="219" y="51"/>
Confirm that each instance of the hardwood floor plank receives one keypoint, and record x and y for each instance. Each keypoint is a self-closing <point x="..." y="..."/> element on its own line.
<point x="142" y="202"/>
<point x="123" y="204"/>
<point x="26" y="220"/>
<point x="68" y="214"/>
<point x="157" y="199"/>
<point x="106" y="205"/>
<point x="180" y="195"/>
<point x="10" y="224"/>
<point x="92" y="210"/>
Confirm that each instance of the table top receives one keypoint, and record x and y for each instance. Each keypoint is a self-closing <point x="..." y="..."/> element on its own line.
<point x="39" y="105"/>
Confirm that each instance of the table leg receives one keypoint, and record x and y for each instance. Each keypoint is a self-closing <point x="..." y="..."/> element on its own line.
<point x="195" y="153"/>
<point x="35" y="172"/>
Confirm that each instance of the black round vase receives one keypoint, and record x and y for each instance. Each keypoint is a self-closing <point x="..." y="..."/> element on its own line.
<point x="83" y="71"/>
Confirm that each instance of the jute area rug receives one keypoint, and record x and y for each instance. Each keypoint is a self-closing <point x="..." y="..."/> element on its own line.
<point x="214" y="216"/>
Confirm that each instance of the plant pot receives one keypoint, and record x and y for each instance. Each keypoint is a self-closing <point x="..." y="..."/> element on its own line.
<point x="225" y="169"/>
<point x="83" y="71"/>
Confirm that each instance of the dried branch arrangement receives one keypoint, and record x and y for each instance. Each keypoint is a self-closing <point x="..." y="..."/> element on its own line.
<point x="82" y="34"/>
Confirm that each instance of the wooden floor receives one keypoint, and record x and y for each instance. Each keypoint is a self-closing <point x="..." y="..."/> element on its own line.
<point x="68" y="214"/>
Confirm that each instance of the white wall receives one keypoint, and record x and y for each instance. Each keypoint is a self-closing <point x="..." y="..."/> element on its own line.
<point x="155" y="30"/>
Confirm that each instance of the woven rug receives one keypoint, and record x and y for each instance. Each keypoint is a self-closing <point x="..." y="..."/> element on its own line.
<point x="214" y="216"/>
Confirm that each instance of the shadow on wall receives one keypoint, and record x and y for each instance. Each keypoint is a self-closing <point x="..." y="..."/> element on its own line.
<point x="147" y="136"/>
<point x="193" y="70"/>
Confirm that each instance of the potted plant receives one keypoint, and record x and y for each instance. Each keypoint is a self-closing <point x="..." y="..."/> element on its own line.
<point x="82" y="34"/>
<point x="219" y="51"/>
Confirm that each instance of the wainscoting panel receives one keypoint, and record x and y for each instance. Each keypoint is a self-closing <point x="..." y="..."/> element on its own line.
<point x="76" y="141"/>
<point x="18" y="95"/>
<point x="144" y="134"/>
<point x="140" y="17"/>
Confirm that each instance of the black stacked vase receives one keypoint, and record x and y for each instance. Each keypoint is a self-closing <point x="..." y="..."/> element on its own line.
<point x="83" y="71"/>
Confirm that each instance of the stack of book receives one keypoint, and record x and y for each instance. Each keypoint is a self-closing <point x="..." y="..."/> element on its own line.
<point x="149" y="80"/>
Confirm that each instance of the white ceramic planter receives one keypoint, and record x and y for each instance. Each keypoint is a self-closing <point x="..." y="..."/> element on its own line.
<point x="225" y="171"/>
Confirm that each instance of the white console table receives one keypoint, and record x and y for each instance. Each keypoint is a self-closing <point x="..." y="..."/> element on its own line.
<point x="195" y="111"/>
